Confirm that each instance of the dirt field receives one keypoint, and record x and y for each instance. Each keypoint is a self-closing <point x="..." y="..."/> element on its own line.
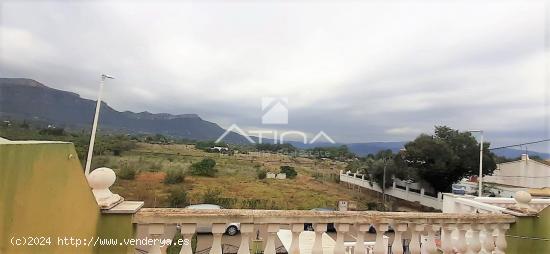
<point x="236" y="179"/>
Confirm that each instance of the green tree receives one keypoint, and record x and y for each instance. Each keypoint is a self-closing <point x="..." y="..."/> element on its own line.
<point x="289" y="171"/>
<point x="374" y="164"/>
<point x="205" y="167"/>
<point x="52" y="131"/>
<point x="337" y="152"/>
<point x="119" y="144"/>
<point x="280" y="148"/>
<point x="355" y="165"/>
<point x="446" y="157"/>
<point x="24" y="125"/>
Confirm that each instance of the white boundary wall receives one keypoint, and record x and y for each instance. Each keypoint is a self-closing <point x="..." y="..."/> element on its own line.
<point x="425" y="200"/>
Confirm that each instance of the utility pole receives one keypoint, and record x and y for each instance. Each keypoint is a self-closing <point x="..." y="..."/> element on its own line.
<point x="384" y="184"/>
<point x="480" y="176"/>
<point x="480" y="180"/>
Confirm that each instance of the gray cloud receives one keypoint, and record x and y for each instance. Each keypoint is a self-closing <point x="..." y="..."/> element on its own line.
<point x="359" y="71"/>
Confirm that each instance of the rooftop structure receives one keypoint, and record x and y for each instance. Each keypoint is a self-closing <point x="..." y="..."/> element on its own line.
<point x="525" y="173"/>
<point x="44" y="193"/>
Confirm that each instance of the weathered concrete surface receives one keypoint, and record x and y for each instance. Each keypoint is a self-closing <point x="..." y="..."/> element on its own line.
<point x="43" y="193"/>
<point x="530" y="234"/>
<point x="180" y="215"/>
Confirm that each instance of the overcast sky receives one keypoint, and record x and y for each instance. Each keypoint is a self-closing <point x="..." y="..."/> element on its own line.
<point x="358" y="71"/>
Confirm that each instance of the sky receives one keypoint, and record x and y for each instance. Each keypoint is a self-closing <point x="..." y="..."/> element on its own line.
<point x="359" y="71"/>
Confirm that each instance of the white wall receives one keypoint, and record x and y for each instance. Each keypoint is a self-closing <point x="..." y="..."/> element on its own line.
<point x="424" y="200"/>
<point x="522" y="173"/>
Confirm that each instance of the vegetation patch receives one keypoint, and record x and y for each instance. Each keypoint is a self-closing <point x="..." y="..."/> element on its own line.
<point x="174" y="176"/>
<point x="205" y="167"/>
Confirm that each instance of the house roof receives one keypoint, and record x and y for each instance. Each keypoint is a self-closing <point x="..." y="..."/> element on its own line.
<point x="542" y="192"/>
<point x="525" y="158"/>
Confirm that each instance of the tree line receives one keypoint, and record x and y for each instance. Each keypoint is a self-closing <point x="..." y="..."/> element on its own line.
<point x="440" y="159"/>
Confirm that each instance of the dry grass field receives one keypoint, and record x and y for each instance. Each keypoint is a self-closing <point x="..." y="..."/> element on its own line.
<point x="236" y="182"/>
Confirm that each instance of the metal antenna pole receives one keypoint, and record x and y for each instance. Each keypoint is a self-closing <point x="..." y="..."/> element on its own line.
<point x="94" y="126"/>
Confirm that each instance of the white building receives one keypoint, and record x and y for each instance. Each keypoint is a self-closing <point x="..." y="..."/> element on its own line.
<point x="271" y="175"/>
<point x="219" y="149"/>
<point x="524" y="173"/>
<point x="281" y="176"/>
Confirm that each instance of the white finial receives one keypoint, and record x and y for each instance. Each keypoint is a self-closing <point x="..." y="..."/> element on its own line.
<point x="522" y="201"/>
<point x="100" y="180"/>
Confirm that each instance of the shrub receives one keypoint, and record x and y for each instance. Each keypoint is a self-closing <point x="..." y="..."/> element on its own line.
<point x="211" y="196"/>
<point x="205" y="167"/>
<point x="214" y="196"/>
<point x="318" y="176"/>
<point x="289" y="171"/>
<point x="155" y="166"/>
<point x="52" y="131"/>
<point x="121" y="144"/>
<point x="335" y="178"/>
<point x="372" y="206"/>
<point x="254" y="203"/>
<point x="261" y="174"/>
<point x="127" y="172"/>
<point x="99" y="161"/>
<point x="178" y="198"/>
<point x="174" y="176"/>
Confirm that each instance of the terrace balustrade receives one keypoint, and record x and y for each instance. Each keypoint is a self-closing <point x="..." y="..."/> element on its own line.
<point x="457" y="233"/>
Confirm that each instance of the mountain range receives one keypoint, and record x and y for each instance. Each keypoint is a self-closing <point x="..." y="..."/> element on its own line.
<point x="27" y="99"/>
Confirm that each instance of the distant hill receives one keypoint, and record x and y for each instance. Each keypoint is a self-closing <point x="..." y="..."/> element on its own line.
<point x="27" y="99"/>
<point x="363" y="149"/>
<point x="516" y="153"/>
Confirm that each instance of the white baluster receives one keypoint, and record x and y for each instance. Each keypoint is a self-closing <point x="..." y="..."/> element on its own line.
<point x="397" y="245"/>
<point x="446" y="238"/>
<point x="187" y="230"/>
<point x="431" y="248"/>
<point x="217" y="231"/>
<point x="489" y="240"/>
<point x="414" y="245"/>
<point x="270" y="242"/>
<point x="359" y="247"/>
<point x="156" y="231"/>
<point x="501" y="238"/>
<point x="341" y="231"/>
<point x="296" y="230"/>
<point x="461" y="245"/>
<point x="379" y="247"/>
<point x="246" y="230"/>
<point x="474" y="245"/>
<point x="319" y="228"/>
